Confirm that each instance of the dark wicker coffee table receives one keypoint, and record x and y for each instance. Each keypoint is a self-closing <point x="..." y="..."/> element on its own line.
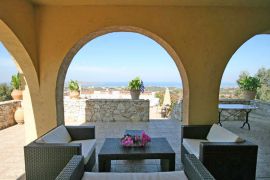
<point x="158" y="148"/>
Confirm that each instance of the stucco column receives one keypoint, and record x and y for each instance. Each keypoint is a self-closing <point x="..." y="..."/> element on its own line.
<point x="29" y="118"/>
<point x="203" y="102"/>
<point x="204" y="75"/>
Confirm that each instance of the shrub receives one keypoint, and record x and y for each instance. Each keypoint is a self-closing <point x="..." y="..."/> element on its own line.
<point x="136" y="84"/>
<point x="73" y="86"/>
<point x="5" y="92"/>
<point x="264" y="91"/>
<point x="16" y="81"/>
<point x="249" y="83"/>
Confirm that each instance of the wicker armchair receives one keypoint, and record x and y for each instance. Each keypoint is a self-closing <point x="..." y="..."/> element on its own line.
<point x="46" y="160"/>
<point x="193" y="169"/>
<point x="224" y="160"/>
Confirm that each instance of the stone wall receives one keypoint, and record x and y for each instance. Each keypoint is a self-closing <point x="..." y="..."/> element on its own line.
<point x="75" y="110"/>
<point x="7" y="110"/>
<point x="263" y="111"/>
<point x="233" y="114"/>
<point x="105" y="110"/>
<point x="177" y="111"/>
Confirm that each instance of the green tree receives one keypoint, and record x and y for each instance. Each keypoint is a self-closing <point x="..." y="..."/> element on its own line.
<point x="244" y="74"/>
<point x="263" y="92"/>
<point x="5" y="92"/>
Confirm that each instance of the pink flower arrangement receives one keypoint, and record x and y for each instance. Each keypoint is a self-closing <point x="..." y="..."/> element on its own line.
<point x="133" y="141"/>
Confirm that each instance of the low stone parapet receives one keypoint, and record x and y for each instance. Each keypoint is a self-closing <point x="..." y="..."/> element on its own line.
<point x="105" y="110"/>
<point x="177" y="113"/>
<point x="7" y="110"/>
<point x="262" y="112"/>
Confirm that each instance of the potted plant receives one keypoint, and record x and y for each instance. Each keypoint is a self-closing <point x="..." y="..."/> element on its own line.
<point x="248" y="85"/>
<point x="136" y="87"/>
<point x="74" y="89"/>
<point x="16" y="84"/>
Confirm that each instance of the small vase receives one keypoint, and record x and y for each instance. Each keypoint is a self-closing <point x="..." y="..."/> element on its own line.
<point x="135" y="94"/>
<point x="16" y="94"/>
<point x="249" y="95"/>
<point x="19" y="115"/>
<point x="74" y="94"/>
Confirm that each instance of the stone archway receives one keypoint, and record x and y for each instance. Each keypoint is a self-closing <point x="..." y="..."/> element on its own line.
<point x="73" y="51"/>
<point x="25" y="66"/>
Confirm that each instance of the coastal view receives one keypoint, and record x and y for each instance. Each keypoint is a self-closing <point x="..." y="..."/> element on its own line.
<point x="98" y="78"/>
<point x="121" y="83"/>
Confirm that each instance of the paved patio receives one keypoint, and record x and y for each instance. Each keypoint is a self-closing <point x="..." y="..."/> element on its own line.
<point x="12" y="139"/>
<point x="162" y="128"/>
<point x="11" y="152"/>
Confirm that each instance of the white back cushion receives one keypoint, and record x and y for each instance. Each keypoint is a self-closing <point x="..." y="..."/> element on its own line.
<point x="193" y="145"/>
<point x="220" y="134"/>
<point x="58" y="135"/>
<point x="174" y="175"/>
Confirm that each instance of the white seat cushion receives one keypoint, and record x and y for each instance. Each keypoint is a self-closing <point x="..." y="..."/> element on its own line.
<point x="174" y="175"/>
<point x="88" y="146"/>
<point x="193" y="145"/>
<point x="57" y="135"/>
<point x="220" y="134"/>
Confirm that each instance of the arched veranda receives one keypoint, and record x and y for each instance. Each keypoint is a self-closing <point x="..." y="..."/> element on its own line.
<point x="25" y="66"/>
<point x="68" y="58"/>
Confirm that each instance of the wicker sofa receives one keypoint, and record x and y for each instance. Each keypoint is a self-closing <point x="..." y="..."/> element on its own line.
<point x="48" y="155"/>
<point x="193" y="170"/>
<point x="225" y="155"/>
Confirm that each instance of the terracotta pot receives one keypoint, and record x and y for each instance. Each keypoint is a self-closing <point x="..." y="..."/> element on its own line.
<point x="17" y="94"/>
<point x="249" y="95"/>
<point x="74" y="94"/>
<point x="19" y="115"/>
<point x="135" y="94"/>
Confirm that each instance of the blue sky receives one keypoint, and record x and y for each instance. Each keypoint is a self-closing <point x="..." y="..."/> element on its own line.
<point x="7" y="65"/>
<point x="251" y="56"/>
<point x="119" y="57"/>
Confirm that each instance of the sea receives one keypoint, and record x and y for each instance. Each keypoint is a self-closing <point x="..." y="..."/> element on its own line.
<point x="146" y="84"/>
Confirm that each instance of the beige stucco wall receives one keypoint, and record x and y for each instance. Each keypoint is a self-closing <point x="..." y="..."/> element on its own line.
<point x="203" y="38"/>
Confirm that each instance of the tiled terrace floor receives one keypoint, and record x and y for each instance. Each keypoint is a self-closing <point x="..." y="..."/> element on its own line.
<point x="12" y="141"/>
<point x="162" y="128"/>
<point x="11" y="152"/>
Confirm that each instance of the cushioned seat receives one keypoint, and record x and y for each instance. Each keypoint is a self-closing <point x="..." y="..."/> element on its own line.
<point x="193" y="169"/>
<point x="46" y="156"/>
<point x="223" y="153"/>
<point x="193" y="145"/>
<point x="175" y="175"/>
<point x="57" y="135"/>
<point x="88" y="146"/>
